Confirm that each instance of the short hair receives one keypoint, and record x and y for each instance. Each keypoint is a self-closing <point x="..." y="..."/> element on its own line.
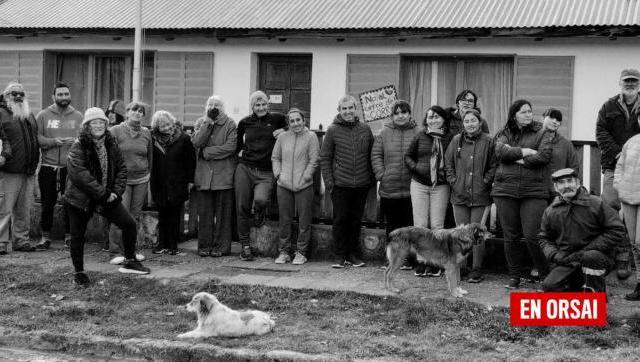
<point x="475" y="112"/>
<point x="162" y="115"/>
<point x="347" y="98"/>
<point x="59" y="85"/>
<point x="553" y="113"/>
<point x="136" y="106"/>
<point x="257" y="96"/>
<point x="212" y="100"/>
<point x="463" y="95"/>
<point x="446" y="116"/>
<point x="401" y="105"/>
<point x="295" y="110"/>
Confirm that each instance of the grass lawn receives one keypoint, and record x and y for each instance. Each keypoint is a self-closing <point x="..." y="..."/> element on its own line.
<point x="347" y="325"/>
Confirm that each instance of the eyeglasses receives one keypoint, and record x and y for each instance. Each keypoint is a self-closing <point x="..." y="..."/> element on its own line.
<point x="17" y="94"/>
<point x="467" y="100"/>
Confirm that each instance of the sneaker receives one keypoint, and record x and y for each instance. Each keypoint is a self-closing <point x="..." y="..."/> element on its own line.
<point x="25" y="247"/>
<point x="44" y="243"/>
<point x="159" y="251"/>
<point x="133" y="267"/>
<point x="176" y="252"/>
<point x="140" y="257"/>
<point x="117" y="260"/>
<point x="356" y="262"/>
<point x="246" y="254"/>
<point x="341" y="264"/>
<point x="283" y="258"/>
<point x="421" y="270"/>
<point x="406" y="265"/>
<point x="475" y="276"/>
<point x="434" y="271"/>
<point x="82" y="280"/>
<point x="67" y="241"/>
<point x="514" y="283"/>
<point x="215" y="254"/>
<point x="204" y="253"/>
<point x="299" y="259"/>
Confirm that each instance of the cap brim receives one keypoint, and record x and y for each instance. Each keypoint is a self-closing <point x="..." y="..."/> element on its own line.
<point x="630" y="77"/>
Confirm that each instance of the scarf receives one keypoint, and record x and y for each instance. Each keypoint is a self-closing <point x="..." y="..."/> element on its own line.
<point x="133" y="128"/>
<point x="436" y="163"/>
<point x="165" y="139"/>
<point x="101" y="150"/>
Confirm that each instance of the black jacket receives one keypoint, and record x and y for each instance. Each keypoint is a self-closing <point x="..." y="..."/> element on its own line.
<point x="614" y="127"/>
<point x="255" y="139"/>
<point x="20" y="143"/>
<point x="172" y="170"/>
<point x="84" y="174"/>
<point x="456" y="126"/>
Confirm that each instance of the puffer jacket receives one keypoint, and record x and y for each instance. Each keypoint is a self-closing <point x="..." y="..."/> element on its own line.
<point x="522" y="181"/>
<point x="345" y="154"/>
<point x="294" y="159"/>
<point x="418" y="158"/>
<point x="84" y="175"/>
<point x="387" y="159"/>
<point x="563" y="155"/>
<point x="20" y="148"/>
<point x="614" y="127"/>
<point x="215" y="143"/>
<point x="626" y="178"/>
<point x="584" y="223"/>
<point x="470" y="164"/>
<point x="172" y="169"/>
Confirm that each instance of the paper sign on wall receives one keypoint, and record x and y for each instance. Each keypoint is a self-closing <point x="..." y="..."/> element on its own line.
<point x="376" y="104"/>
<point x="275" y="99"/>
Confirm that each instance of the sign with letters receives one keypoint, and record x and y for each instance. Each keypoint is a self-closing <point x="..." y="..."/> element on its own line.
<point x="376" y="104"/>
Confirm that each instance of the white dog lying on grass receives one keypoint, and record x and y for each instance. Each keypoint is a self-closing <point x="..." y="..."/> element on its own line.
<point x="217" y="320"/>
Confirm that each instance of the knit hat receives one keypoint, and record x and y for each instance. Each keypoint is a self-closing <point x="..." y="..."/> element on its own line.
<point x="94" y="113"/>
<point x="256" y="96"/>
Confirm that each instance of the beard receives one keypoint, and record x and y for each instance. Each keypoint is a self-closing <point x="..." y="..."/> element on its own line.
<point x="20" y="110"/>
<point x="63" y="103"/>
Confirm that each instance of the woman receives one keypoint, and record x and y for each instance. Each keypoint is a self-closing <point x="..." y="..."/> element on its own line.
<point x="294" y="160"/>
<point x="625" y="181"/>
<point x="115" y="112"/>
<point x="470" y="166"/>
<point x="136" y="146"/>
<point x="174" y="161"/>
<point x="387" y="160"/>
<point x="465" y="101"/>
<point x="95" y="182"/>
<point x="429" y="189"/>
<point x="215" y="141"/>
<point x="523" y="150"/>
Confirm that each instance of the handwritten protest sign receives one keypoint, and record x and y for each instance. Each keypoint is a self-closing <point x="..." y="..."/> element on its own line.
<point x="376" y="104"/>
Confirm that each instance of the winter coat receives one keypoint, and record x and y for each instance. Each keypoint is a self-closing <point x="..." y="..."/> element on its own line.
<point x="626" y="177"/>
<point x="345" y="154"/>
<point x="614" y="127"/>
<point x="22" y="150"/>
<point x="418" y="158"/>
<point x="470" y="164"/>
<point x="387" y="159"/>
<point x="53" y="124"/>
<point x="84" y="175"/>
<point x="563" y="155"/>
<point x="294" y="159"/>
<point x="522" y="181"/>
<point x="255" y="139"/>
<point x="137" y="151"/>
<point x="584" y="223"/>
<point x="172" y="170"/>
<point x="456" y="125"/>
<point x="215" y="144"/>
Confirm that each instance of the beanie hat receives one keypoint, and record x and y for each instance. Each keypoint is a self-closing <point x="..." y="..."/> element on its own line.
<point x="256" y="96"/>
<point x="94" y="113"/>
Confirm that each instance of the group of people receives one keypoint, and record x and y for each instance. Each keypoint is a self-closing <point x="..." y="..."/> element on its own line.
<point x="446" y="169"/>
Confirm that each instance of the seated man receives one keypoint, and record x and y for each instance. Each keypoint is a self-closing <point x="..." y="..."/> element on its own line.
<point x="578" y="235"/>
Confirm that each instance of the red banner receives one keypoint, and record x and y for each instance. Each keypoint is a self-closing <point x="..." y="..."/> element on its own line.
<point x="558" y="309"/>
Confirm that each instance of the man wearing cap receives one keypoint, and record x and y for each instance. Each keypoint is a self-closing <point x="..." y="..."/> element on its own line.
<point x="18" y="163"/>
<point x="578" y="235"/>
<point x="617" y="122"/>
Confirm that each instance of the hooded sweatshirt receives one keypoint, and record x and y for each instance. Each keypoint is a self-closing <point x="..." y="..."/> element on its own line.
<point x="295" y="158"/>
<point x="53" y="124"/>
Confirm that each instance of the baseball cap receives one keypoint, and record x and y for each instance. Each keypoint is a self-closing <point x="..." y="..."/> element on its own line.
<point x="629" y="74"/>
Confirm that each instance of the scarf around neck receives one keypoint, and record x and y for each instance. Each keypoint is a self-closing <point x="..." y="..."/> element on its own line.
<point x="101" y="150"/>
<point x="436" y="162"/>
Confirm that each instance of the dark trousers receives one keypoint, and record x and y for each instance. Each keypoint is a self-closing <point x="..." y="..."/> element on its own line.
<point x="117" y="215"/>
<point x="253" y="187"/>
<point x="288" y="203"/>
<point x="348" y="207"/>
<point x="169" y="232"/>
<point x="215" y="218"/>
<point x="397" y="213"/>
<point x="51" y="181"/>
<point x="520" y="220"/>
<point x="572" y="279"/>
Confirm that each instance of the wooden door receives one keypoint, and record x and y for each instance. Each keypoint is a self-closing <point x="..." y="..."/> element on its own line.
<point x="287" y="81"/>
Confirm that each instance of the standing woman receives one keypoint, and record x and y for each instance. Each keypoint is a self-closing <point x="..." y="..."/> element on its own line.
<point x="465" y="101"/>
<point x="294" y="159"/>
<point x="96" y="180"/>
<point x="429" y="188"/>
<point x="215" y="140"/>
<point x="471" y="165"/>
<point x="174" y="162"/>
<point x="523" y="149"/>
<point x="136" y="145"/>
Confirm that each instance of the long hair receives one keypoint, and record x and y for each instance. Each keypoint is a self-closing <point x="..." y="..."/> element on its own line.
<point x="446" y="116"/>
<point x="512" y="123"/>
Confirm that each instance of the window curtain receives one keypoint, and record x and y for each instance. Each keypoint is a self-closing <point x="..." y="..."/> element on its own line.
<point x="109" y="80"/>
<point x="492" y="81"/>
<point x="416" y="86"/>
<point x="72" y="70"/>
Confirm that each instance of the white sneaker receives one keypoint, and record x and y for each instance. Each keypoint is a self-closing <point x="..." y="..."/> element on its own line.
<point x="117" y="260"/>
<point x="283" y="258"/>
<point x="140" y="257"/>
<point x="299" y="259"/>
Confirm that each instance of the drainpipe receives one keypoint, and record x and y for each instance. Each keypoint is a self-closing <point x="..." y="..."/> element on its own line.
<point x="137" y="45"/>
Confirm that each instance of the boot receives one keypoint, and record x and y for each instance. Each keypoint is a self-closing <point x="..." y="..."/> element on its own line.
<point x="594" y="280"/>
<point x="622" y="261"/>
<point x="635" y="295"/>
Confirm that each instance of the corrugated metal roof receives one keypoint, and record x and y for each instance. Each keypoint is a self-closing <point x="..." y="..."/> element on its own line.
<point x="318" y="14"/>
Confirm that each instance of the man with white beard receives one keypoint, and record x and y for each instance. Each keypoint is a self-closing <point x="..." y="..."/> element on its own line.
<point x="18" y="163"/>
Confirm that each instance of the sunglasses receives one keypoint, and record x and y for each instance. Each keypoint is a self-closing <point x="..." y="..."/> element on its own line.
<point x="17" y="94"/>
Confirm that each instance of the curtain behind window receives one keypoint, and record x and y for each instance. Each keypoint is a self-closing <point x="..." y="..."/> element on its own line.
<point x="109" y="80"/>
<point x="416" y="86"/>
<point x="72" y="70"/>
<point x="492" y="81"/>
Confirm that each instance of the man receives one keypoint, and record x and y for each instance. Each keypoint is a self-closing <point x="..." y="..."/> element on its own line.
<point x="58" y="127"/>
<point x="18" y="163"/>
<point x="617" y="122"/>
<point x="347" y="175"/>
<point x="578" y="235"/>
<point x="563" y="154"/>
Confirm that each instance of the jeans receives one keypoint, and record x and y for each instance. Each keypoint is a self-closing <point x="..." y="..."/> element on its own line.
<point x="288" y="203"/>
<point x="253" y="188"/>
<point x="609" y="194"/>
<point x="169" y="226"/>
<point x="51" y="181"/>
<point x="466" y="215"/>
<point x="348" y="208"/>
<point x="117" y="215"/>
<point x="132" y="200"/>
<point x="632" y="222"/>
<point x="429" y="204"/>
<point x="16" y="200"/>
<point x="215" y="220"/>
<point x="571" y="279"/>
<point x="520" y="220"/>
<point x="397" y="213"/>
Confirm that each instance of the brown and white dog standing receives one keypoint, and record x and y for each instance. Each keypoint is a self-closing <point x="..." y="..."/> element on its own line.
<point x="217" y="320"/>
<point x="445" y="248"/>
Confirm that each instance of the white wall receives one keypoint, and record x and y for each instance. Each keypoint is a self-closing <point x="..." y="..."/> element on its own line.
<point x="597" y="64"/>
